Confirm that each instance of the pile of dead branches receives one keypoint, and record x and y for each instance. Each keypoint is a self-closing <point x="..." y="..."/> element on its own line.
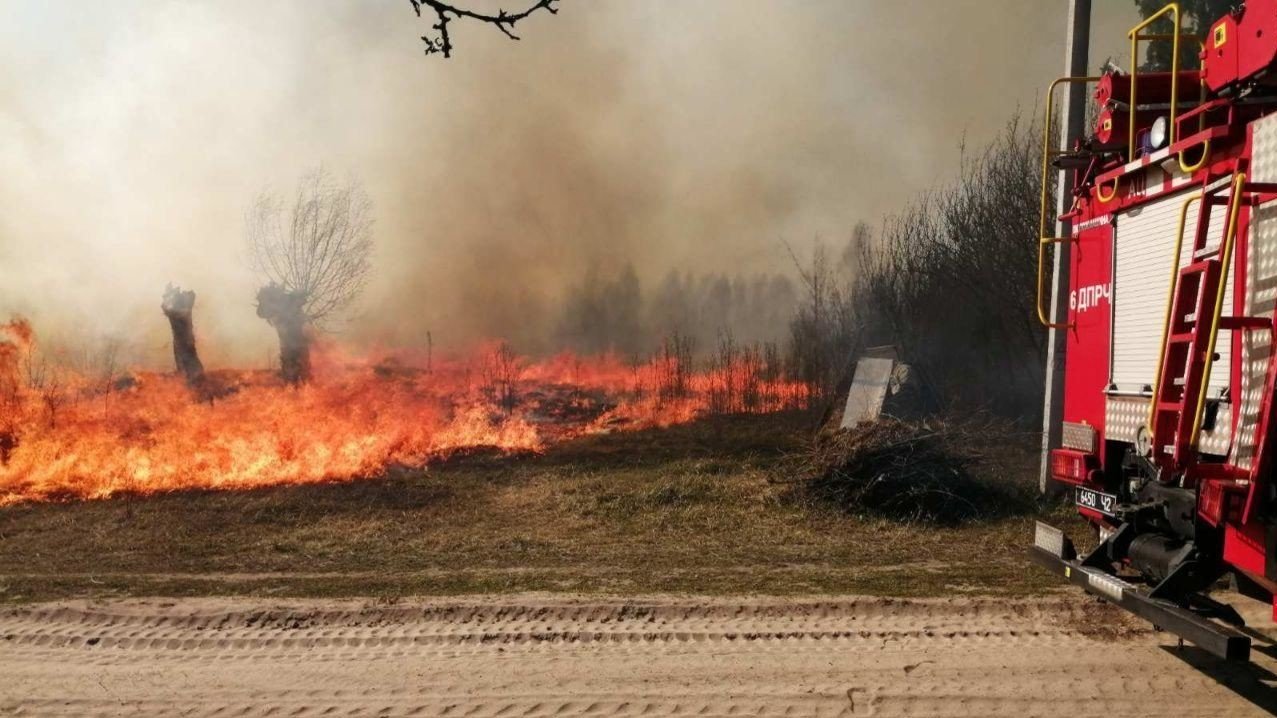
<point x="932" y="471"/>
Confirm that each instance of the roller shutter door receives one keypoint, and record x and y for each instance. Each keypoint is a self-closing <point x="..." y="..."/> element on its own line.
<point x="1144" y="242"/>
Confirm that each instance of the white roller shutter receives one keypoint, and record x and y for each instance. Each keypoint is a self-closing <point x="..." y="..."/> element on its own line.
<point x="1144" y="240"/>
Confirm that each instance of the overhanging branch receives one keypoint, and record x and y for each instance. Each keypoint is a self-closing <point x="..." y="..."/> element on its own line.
<point x="447" y="12"/>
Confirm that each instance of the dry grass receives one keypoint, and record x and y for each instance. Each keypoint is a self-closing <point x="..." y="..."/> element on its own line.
<point x="692" y="509"/>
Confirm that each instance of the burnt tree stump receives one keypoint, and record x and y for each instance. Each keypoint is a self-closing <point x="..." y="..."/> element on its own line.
<point x="178" y="306"/>
<point x="284" y="309"/>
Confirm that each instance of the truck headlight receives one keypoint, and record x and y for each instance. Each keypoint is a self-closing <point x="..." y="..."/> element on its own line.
<point x="1159" y="133"/>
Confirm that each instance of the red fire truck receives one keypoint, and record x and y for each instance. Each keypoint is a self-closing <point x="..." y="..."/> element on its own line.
<point x="1168" y="435"/>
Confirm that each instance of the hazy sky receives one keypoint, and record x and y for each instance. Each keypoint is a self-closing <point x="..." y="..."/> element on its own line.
<point x="671" y="134"/>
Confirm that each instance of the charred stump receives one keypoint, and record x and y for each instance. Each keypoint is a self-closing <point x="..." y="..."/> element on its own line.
<point x="178" y="306"/>
<point x="284" y="309"/>
<point x="8" y="442"/>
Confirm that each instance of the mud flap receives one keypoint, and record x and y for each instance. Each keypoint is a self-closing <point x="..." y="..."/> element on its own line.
<point x="1054" y="552"/>
<point x="1270" y="551"/>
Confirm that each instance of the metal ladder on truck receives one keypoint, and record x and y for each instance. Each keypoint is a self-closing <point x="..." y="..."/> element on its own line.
<point x="1193" y="320"/>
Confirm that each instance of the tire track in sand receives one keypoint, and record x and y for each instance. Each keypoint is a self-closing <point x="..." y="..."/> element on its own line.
<point x="562" y="657"/>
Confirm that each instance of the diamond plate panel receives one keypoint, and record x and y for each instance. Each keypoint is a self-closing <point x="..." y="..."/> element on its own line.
<point x="1261" y="290"/>
<point x="1079" y="436"/>
<point x="1124" y="415"/>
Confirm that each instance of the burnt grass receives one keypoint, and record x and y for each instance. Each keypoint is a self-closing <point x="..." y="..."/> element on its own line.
<point x="719" y="506"/>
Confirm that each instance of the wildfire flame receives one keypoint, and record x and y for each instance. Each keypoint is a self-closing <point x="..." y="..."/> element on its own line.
<point x="66" y="435"/>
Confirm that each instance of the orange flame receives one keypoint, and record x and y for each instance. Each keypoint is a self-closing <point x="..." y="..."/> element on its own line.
<point x="77" y="438"/>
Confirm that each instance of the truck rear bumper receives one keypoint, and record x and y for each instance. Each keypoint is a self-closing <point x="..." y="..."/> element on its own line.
<point x="1053" y="551"/>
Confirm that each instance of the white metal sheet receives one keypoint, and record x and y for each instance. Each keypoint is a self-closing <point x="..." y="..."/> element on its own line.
<point x="868" y="391"/>
<point x="1144" y="242"/>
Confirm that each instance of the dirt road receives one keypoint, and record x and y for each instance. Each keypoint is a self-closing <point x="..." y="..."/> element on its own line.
<point x="537" y="656"/>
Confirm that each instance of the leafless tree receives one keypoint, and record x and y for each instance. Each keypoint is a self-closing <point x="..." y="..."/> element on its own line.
<point x="826" y="327"/>
<point x="950" y="281"/>
<point x="320" y="247"/>
<point x="446" y="12"/>
<point x="315" y="257"/>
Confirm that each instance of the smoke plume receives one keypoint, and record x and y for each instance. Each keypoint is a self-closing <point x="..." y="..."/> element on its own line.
<point x="688" y="137"/>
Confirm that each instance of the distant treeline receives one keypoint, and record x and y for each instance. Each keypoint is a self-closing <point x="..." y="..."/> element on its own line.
<point x="615" y="313"/>
<point x="949" y="280"/>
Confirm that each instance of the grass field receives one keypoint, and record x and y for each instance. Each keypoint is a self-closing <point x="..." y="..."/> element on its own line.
<point x="703" y="508"/>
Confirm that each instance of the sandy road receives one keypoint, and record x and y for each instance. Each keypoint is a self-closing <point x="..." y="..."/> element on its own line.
<point x="537" y="656"/>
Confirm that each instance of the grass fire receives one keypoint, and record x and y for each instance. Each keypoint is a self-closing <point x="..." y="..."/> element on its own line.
<point x="71" y="435"/>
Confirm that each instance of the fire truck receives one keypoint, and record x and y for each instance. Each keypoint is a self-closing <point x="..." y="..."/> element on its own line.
<point x="1168" y="439"/>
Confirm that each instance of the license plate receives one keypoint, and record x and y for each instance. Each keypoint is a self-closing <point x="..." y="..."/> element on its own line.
<point x="1096" y="501"/>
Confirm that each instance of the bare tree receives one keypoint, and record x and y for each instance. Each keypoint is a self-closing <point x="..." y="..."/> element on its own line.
<point x="949" y="279"/>
<point x="826" y="328"/>
<point x="446" y="12"/>
<point x="314" y="256"/>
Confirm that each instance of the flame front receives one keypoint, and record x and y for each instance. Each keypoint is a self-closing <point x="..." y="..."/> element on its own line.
<point x="74" y="437"/>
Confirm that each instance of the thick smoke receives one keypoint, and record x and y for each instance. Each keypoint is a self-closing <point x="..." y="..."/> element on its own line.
<point x="689" y="137"/>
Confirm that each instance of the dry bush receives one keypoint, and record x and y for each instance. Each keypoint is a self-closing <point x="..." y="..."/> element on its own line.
<point x="14" y="338"/>
<point x="673" y="365"/>
<point x="499" y="375"/>
<point x="960" y="274"/>
<point x="739" y="374"/>
<point x="827" y="328"/>
<point x="49" y="379"/>
<point x="935" y="471"/>
<point x="950" y="280"/>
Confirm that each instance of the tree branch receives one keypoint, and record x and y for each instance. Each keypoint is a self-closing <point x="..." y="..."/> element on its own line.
<point x="446" y="12"/>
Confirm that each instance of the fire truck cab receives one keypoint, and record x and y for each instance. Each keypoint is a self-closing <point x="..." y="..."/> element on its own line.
<point x="1167" y="442"/>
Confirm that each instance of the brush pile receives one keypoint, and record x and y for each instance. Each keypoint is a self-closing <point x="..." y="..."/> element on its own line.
<point x="933" y="471"/>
